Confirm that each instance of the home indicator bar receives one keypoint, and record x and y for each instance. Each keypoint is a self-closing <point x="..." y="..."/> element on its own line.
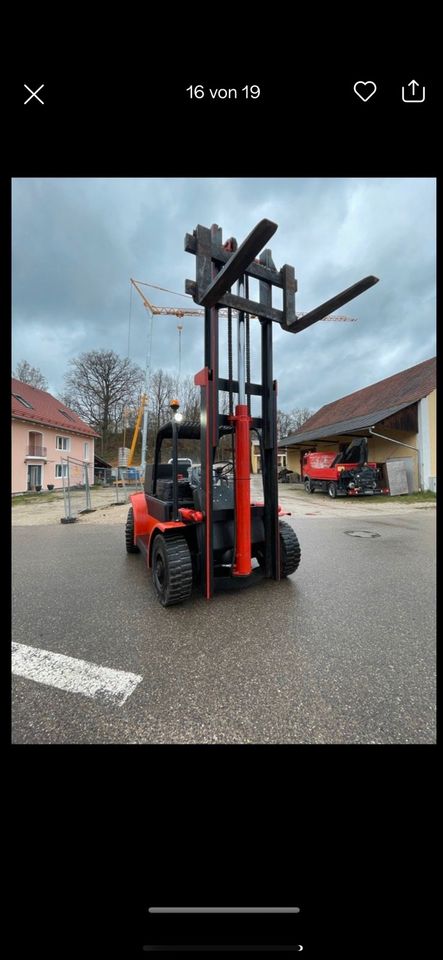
<point x="223" y="948"/>
<point x="224" y="909"/>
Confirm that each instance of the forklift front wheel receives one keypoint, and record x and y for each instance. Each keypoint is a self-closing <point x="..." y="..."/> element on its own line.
<point x="332" y="489"/>
<point x="171" y="569"/>
<point x="290" y="552"/>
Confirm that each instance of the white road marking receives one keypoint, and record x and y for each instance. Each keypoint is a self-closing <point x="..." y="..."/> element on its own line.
<point x="76" y="676"/>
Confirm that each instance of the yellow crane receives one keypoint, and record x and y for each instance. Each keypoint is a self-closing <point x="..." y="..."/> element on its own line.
<point x="137" y="429"/>
<point x="199" y="311"/>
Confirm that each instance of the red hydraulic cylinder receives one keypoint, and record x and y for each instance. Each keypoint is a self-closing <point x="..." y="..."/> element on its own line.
<point x="242" y="560"/>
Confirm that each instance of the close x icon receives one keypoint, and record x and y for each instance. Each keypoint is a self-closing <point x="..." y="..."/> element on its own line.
<point x="31" y="94"/>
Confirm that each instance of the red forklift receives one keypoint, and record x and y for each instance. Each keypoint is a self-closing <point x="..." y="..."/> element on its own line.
<point x="200" y="528"/>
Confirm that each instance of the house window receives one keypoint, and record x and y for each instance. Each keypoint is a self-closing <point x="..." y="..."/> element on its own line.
<point x="34" y="476"/>
<point x="63" y="443"/>
<point x="86" y="451"/>
<point x="22" y="401"/>
<point x="67" y="415"/>
<point x="35" y="444"/>
<point x="61" y="470"/>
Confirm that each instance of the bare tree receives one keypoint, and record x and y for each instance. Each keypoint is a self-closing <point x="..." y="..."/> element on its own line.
<point x="288" y="423"/>
<point x="68" y="399"/>
<point x="189" y="396"/>
<point x="299" y="415"/>
<point x="99" y="386"/>
<point x="31" y="375"/>
<point x="161" y="390"/>
<point x="284" y="423"/>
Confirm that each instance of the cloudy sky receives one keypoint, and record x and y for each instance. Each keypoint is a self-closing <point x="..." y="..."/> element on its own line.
<point x="76" y="243"/>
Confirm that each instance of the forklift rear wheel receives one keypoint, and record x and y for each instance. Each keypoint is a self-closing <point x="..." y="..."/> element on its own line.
<point x="308" y="487"/>
<point x="171" y="569"/>
<point x="332" y="490"/>
<point x="129" y="533"/>
<point x="290" y="553"/>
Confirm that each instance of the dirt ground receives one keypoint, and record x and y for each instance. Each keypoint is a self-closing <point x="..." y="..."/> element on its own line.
<point x="292" y="498"/>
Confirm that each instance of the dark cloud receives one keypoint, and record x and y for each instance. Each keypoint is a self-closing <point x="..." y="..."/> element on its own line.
<point x="76" y="243"/>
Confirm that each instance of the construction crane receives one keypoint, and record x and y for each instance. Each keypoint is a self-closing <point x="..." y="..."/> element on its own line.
<point x="136" y="429"/>
<point x="167" y="311"/>
<point x="199" y="311"/>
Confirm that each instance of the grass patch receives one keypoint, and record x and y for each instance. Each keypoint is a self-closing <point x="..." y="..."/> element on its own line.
<point x="425" y="495"/>
<point x="36" y="497"/>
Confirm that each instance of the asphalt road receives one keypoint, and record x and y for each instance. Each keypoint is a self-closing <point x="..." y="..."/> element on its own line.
<point x="341" y="652"/>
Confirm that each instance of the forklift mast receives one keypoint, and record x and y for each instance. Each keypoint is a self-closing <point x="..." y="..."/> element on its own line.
<point x="218" y="267"/>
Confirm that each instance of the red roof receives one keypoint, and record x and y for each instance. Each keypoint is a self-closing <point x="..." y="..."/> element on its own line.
<point x="43" y="408"/>
<point x="401" y="389"/>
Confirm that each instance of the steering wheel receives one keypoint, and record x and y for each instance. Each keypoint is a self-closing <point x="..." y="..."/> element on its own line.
<point x="224" y="469"/>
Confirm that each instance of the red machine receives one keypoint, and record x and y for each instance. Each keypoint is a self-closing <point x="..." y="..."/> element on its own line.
<point x="345" y="474"/>
<point x="201" y="528"/>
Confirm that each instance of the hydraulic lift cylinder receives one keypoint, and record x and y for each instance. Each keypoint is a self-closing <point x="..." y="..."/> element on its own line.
<point x="242" y="422"/>
<point x="241" y="347"/>
<point x="242" y="560"/>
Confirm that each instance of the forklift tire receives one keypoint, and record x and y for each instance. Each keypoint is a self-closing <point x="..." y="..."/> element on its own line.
<point x="332" y="489"/>
<point x="290" y="553"/>
<point x="171" y="569"/>
<point x="129" y="533"/>
<point x="308" y="486"/>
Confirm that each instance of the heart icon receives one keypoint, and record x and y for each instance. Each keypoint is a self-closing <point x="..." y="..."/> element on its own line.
<point x="365" y="89"/>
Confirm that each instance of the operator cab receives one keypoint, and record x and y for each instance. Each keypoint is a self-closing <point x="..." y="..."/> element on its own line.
<point x="222" y="486"/>
<point x="190" y="489"/>
<point x="183" y="465"/>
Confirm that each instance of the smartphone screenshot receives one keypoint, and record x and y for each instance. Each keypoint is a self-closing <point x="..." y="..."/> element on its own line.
<point x="223" y="503"/>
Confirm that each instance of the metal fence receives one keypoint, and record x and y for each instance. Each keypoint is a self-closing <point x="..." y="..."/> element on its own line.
<point x="78" y="498"/>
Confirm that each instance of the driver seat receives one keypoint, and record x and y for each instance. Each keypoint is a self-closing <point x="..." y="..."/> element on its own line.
<point x="222" y="497"/>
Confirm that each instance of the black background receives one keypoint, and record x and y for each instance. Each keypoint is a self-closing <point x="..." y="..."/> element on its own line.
<point x="99" y="834"/>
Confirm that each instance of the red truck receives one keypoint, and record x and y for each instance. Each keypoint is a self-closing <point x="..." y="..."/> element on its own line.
<point x="345" y="474"/>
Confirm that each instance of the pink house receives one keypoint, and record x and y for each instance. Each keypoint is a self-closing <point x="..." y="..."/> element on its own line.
<point x="44" y="434"/>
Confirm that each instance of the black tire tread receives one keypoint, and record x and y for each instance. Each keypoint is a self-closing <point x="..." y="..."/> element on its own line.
<point x="290" y="551"/>
<point x="129" y="533"/>
<point x="180" y="569"/>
